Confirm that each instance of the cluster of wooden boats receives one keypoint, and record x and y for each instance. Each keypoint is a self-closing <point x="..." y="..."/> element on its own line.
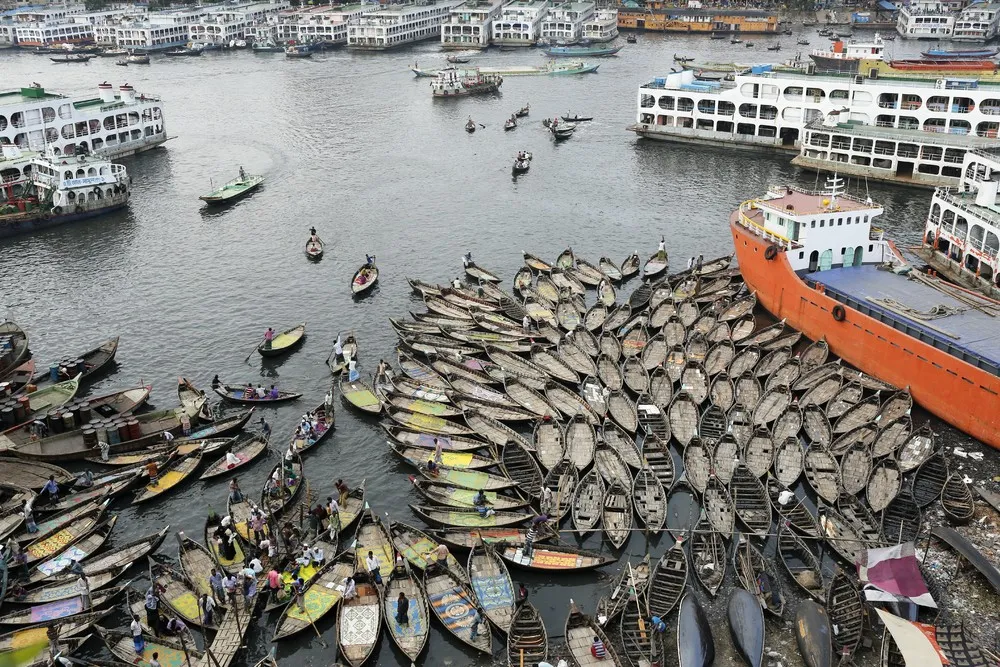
<point x="525" y="415"/>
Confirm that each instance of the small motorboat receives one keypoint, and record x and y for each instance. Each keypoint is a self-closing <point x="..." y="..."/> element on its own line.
<point x="122" y="63"/>
<point x="523" y="111"/>
<point x="577" y="118"/>
<point x="631" y="39"/>
<point x="682" y="59"/>
<point x="470" y="126"/>
<point x="509" y="124"/>
<point x="183" y="51"/>
<point x="562" y="131"/>
<point x="138" y="58"/>
<point x="458" y="60"/>
<point x="787" y="32"/>
<point x="736" y="40"/>
<point x="749" y="45"/>
<point x="718" y="35"/>
<point x="522" y="163"/>
<point x="774" y="47"/>
<point x="802" y="42"/>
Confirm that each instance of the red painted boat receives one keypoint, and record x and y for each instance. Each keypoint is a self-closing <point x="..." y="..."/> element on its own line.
<point x="813" y="259"/>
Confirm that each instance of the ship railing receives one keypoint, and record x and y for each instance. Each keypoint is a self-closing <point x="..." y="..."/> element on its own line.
<point x="987" y="215"/>
<point x="760" y="230"/>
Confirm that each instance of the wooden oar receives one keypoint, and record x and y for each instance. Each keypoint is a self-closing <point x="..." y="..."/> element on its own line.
<point x="311" y="621"/>
<point x="256" y="345"/>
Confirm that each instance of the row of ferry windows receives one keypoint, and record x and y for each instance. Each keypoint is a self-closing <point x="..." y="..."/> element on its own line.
<point x="939" y="103"/>
<point x="840" y="221"/>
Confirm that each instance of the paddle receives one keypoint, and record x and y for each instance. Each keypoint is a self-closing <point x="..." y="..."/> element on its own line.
<point x="311" y="622"/>
<point x="255" y="346"/>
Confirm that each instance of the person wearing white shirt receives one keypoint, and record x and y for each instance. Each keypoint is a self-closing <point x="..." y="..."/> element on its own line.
<point x="232" y="460"/>
<point x="138" y="642"/>
<point x="373" y="567"/>
<point x="272" y="550"/>
<point x="350" y="590"/>
<point x="256" y="566"/>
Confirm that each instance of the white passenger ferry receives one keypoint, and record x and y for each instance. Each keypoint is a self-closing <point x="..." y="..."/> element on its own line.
<point x="519" y="23"/>
<point x="914" y="131"/>
<point x="468" y="24"/>
<point x="564" y="22"/>
<point x="962" y="234"/>
<point x="395" y="25"/>
<point x="109" y="124"/>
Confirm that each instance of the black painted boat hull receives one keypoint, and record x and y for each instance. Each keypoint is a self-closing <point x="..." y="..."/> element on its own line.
<point x="746" y="624"/>
<point x="695" y="646"/>
<point x="813" y="635"/>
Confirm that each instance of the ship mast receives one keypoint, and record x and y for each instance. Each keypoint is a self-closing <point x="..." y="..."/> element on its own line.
<point x="834" y="187"/>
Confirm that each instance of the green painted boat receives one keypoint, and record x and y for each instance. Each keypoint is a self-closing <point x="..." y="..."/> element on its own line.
<point x="359" y="394"/>
<point x="53" y="396"/>
<point x="470" y="518"/>
<point x="170" y="653"/>
<point x="235" y="189"/>
<point x="468" y="479"/>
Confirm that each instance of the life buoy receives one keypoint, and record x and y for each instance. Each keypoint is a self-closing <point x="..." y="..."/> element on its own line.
<point x="771" y="252"/>
<point x="78" y="209"/>
<point x="839" y="313"/>
<point x="57" y="210"/>
<point x="97" y="190"/>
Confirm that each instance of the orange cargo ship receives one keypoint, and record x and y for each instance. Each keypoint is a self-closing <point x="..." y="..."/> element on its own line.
<point x="816" y="261"/>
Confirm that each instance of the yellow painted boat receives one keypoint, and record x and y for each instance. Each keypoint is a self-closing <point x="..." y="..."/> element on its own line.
<point x="319" y="597"/>
<point x="286" y="341"/>
<point x="177" y="469"/>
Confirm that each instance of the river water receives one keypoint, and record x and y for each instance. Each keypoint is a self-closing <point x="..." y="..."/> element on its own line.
<point x="355" y="145"/>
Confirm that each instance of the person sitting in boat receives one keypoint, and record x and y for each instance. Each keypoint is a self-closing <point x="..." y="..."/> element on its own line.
<point x="350" y="590"/>
<point x="261" y="392"/>
<point x="175" y="627"/>
<point x="249" y="393"/>
<point x="273" y="395"/>
<point x="485" y="511"/>
<point x="456" y="283"/>
<point x="597" y="649"/>
<point x="231" y="460"/>
<point x="432" y="467"/>
<point x="480" y="498"/>
<point x="216" y="382"/>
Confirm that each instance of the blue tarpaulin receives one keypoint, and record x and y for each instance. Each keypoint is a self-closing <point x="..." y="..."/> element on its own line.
<point x="886" y="5"/>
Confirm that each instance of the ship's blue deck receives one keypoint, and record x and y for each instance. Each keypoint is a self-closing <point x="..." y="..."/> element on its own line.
<point x="971" y="331"/>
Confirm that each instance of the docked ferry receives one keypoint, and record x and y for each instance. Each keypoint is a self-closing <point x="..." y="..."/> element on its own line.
<point x="41" y="191"/>
<point x="816" y="261"/>
<point x="913" y="130"/>
<point x="113" y="125"/>
<point x="961" y="238"/>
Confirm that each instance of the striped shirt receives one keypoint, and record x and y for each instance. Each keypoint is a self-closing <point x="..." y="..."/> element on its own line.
<point x="598" y="649"/>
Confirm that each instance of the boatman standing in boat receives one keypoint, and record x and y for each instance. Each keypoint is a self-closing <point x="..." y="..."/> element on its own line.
<point x="268" y="337"/>
<point x="243" y="174"/>
<point x="661" y="252"/>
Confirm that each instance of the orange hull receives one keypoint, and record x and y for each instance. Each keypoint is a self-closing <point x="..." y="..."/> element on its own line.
<point x="966" y="397"/>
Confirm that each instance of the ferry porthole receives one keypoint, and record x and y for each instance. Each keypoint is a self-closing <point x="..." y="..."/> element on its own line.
<point x="78" y="209"/>
<point x="839" y="313"/>
<point x="771" y="252"/>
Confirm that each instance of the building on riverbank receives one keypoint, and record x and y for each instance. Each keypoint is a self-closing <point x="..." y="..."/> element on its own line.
<point x="564" y="22"/>
<point x="925" y="19"/>
<point x="656" y="16"/>
<point x="520" y="23"/>
<point x="395" y="25"/>
<point x="602" y="26"/>
<point x="468" y="25"/>
<point x="979" y="22"/>
<point x="318" y="24"/>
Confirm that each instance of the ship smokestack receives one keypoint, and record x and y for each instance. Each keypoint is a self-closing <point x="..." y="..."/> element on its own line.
<point x="127" y="93"/>
<point x="107" y="92"/>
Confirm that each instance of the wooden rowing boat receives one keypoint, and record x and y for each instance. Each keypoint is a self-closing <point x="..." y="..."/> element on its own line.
<point x="562" y="480"/>
<point x="822" y="472"/>
<point x="286" y="341"/>
<point x="411" y="637"/>
<point x="359" y="394"/>
<point x="758" y="575"/>
<point x="957" y="500"/>
<point x="168" y="651"/>
<point x="245" y="452"/>
<point x="418" y="456"/>
<point x="518" y="464"/>
<point x="238" y="394"/>
<point x="419" y="548"/>
<point x="547" y="439"/>
<point x="587" y="503"/>
<point x="801" y="563"/>
<point x="917" y="448"/>
<point x="847" y="613"/>
<point x="855" y="469"/>
<point x="288" y="480"/>
<point x="580" y="631"/>
<point x="581" y="442"/>
<point x="617" y="514"/>
<point x="360" y="623"/>
<point x="668" y="581"/>
<point x="172" y="474"/>
<point x="62" y="610"/>
<point x="468" y="479"/>
<point x="902" y="520"/>
<point x="468" y="517"/>
<point x="364" y="279"/>
<point x="841" y="535"/>
<point x="178" y="594"/>
<point x="429" y="441"/>
<point x="751" y="501"/>
<point x="527" y="641"/>
<point x="492" y="586"/>
<point x="929" y="479"/>
<point x="708" y="555"/>
<point x="650" y="500"/>
<point x="319" y="596"/>
<point x="454" y="605"/>
<point x="76" y="551"/>
<point x="65" y="533"/>
<point x="529" y="399"/>
<point x="453" y="496"/>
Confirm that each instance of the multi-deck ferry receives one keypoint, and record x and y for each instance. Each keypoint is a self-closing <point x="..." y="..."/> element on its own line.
<point x="41" y="191"/>
<point x="816" y="261"/>
<point x="109" y="124"/>
<point x="962" y="233"/>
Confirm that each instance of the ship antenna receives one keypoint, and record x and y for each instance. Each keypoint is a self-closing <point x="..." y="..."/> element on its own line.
<point x="835" y="186"/>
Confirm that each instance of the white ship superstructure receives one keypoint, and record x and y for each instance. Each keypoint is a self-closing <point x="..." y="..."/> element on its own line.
<point x="393" y="26"/>
<point x="230" y="23"/>
<point x="979" y="22"/>
<point x="8" y="35"/>
<point x="962" y="232"/>
<point x="564" y="22"/>
<point x="468" y="24"/>
<point x="925" y="19"/>
<point x="770" y="109"/>
<point x="109" y="124"/>
<point x="603" y="26"/>
<point x="519" y="23"/>
<point x="319" y="24"/>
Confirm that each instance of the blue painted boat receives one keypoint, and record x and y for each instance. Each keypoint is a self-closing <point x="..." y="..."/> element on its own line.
<point x="581" y="51"/>
<point x="944" y="54"/>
